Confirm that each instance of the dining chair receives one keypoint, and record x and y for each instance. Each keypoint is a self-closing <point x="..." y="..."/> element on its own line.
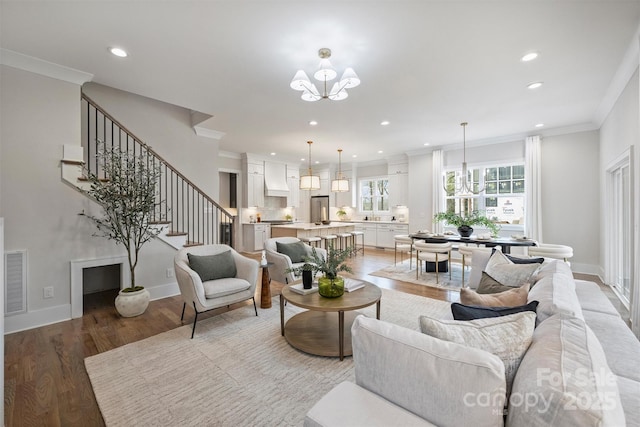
<point x="432" y="252"/>
<point x="403" y="243"/>
<point x="549" y="250"/>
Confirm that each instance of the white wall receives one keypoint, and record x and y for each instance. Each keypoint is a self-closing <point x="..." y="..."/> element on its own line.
<point x="39" y="115"/>
<point x="570" y="188"/>
<point x="479" y="155"/>
<point x="620" y="130"/>
<point x="571" y="196"/>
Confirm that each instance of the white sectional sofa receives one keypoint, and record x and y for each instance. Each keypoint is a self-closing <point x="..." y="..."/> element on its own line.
<point x="582" y="368"/>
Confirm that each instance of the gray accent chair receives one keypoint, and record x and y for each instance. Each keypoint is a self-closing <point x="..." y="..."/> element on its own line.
<point x="282" y="262"/>
<point x="211" y="294"/>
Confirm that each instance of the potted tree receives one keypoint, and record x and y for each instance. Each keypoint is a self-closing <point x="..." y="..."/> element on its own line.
<point x="465" y="223"/>
<point x="128" y="197"/>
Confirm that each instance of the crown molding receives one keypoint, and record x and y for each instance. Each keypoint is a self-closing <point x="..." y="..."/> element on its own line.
<point x="621" y="78"/>
<point x="42" y="67"/>
<point x="229" y="154"/>
<point x="209" y="133"/>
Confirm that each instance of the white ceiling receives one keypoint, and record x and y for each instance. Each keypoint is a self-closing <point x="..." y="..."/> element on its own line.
<point x="425" y="65"/>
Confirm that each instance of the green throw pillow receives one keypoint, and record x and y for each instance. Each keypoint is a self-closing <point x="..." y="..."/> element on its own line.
<point x="297" y="251"/>
<point x="212" y="267"/>
<point x="489" y="285"/>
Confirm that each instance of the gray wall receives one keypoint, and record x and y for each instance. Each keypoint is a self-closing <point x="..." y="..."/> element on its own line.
<point x="39" y="116"/>
<point x="167" y="129"/>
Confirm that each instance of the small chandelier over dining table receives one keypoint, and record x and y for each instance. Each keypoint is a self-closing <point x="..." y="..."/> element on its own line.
<point x="463" y="185"/>
<point x="325" y="74"/>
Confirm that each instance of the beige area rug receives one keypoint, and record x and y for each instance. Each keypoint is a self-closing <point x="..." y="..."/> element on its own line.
<point x="237" y="371"/>
<point x="402" y="271"/>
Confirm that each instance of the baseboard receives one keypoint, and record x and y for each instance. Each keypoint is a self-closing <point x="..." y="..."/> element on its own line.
<point x="61" y="313"/>
<point x="163" y="291"/>
<point x="37" y="318"/>
<point x="586" y="268"/>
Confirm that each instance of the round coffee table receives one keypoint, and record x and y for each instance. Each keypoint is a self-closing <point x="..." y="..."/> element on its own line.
<point x="318" y="330"/>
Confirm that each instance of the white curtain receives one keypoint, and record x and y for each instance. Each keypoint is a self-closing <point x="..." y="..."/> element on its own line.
<point x="532" y="208"/>
<point x="438" y="190"/>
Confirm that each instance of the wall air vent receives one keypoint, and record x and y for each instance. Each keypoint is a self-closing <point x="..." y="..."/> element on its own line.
<point x="15" y="278"/>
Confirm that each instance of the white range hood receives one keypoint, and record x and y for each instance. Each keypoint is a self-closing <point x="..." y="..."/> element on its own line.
<point x="275" y="180"/>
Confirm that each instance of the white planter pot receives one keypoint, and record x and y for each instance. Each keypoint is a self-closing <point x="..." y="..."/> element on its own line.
<point x="130" y="304"/>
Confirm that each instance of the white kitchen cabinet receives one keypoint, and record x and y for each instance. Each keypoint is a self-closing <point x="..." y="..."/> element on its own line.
<point x="398" y="174"/>
<point x="254" y="236"/>
<point x="369" y="234"/>
<point x="325" y="184"/>
<point x="381" y="235"/>
<point x="255" y="185"/>
<point x="346" y="198"/>
<point x="398" y="168"/>
<point x="399" y="189"/>
<point x="384" y="236"/>
<point x="293" y="181"/>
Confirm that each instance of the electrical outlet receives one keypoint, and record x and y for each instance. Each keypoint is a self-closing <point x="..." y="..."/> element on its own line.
<point x="48" y="292"/>
<point x="170" y="273"/>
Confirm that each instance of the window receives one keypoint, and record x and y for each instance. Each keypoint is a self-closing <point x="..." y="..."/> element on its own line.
<point x="503" y="196"/>
<point x="374" y="195"/>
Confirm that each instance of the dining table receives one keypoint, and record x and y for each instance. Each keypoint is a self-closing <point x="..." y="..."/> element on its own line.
<point x="506" y="243"/>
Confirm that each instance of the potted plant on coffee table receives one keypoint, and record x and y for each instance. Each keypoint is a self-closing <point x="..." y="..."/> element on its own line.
<point x="330" y="285"/>
<point x="127" y="193"/>
<point x="465" y="223"/>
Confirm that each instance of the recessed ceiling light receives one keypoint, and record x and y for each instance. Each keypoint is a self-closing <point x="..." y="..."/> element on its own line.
<point x="273" y="154"/>
<point x="539" y="125"/>
<point x="317" y="162"/>
<point x="534" y="85"/>
<point x="529" y="57"/>
<point x="380" y="151"/>
<point x="354" y="156"/>
<point x="118" y="52"/>
<point x="313" y="123"/>
<point x="302" y="159"/>
<point x="384" y="123"/>
<point x="425" y="144"/>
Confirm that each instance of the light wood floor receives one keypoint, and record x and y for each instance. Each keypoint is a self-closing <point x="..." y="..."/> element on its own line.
<point x="45" y="380"/>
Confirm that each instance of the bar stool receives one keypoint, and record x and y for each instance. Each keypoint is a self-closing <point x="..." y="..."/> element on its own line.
<point x="354" y="236"/>
<point x="344" y="240"/>
<point x="311" y="241"/>
<point x="328" y="240"/>
<point x="403" y="243"/>
<point x="432" y="252"/>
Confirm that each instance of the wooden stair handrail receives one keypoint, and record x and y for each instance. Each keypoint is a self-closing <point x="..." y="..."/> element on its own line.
<point x="155" y="154"/>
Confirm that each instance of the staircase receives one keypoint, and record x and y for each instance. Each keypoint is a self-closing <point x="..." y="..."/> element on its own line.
<point x="186" y="216"/>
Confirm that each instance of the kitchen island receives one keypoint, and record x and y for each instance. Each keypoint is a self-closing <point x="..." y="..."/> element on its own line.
<point x="309" y="229"/>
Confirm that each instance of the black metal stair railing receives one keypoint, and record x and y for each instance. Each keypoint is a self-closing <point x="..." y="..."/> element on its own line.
<point x="185" y="208"/>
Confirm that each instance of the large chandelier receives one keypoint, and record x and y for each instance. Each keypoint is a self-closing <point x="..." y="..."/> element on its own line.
<point x="310" y="181"/>
<point x="464" y="182"/>
<point x="325" y="74"/>
<point x="340" y="184"/>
